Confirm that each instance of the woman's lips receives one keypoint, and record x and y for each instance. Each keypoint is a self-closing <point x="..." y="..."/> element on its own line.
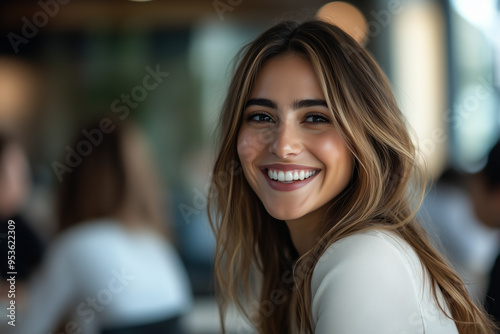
<point x="288" y="177"/>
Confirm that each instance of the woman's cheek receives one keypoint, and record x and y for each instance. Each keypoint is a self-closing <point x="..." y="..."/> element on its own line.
<point x="249" y="145"/>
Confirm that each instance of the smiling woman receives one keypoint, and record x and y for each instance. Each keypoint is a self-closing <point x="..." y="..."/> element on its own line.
<point x="324" y="209"/>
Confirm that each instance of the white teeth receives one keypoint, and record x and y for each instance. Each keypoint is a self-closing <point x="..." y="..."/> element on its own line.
<point x="289" y="176"/>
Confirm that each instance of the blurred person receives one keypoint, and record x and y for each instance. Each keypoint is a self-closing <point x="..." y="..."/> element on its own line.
<point x="15" y="187"/>
<point x="111" y="267"/>
<point x="485" y="191"/>
<point x="315" y="186"/>
<point x="448" y="216"/>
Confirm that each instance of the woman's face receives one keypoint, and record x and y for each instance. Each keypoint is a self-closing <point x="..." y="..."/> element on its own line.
<point x="291" y="154"/>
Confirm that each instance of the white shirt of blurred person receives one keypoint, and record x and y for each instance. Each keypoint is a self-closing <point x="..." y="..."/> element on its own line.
<point x="111" y="269"/>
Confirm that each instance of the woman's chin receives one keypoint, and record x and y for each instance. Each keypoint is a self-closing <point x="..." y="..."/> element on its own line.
<point x="284" y="214"/>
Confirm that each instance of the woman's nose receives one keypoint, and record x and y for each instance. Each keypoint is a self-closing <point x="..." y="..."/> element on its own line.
<point x="285" y="141"/>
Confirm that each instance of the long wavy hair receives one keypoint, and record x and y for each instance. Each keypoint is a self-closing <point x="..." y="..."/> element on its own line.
<point x="385" y="191"/>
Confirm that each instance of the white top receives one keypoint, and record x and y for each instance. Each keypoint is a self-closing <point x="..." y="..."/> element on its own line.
<point x="372" y="282"/>
<point x="105" y="276"/>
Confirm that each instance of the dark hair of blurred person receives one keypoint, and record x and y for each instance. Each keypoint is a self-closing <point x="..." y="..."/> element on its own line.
<point x="117" y="179"/>
<point x="111" y="239"/>
<point x="485" y="190"/>
<point x="14" y="190"/>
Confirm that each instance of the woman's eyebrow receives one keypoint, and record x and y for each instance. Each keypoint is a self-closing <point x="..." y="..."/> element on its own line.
<point x="261" y="102"/>
<point x="299" y="104"/>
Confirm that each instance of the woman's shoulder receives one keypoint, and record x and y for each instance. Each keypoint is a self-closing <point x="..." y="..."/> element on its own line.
<point x="371" y="258"/>
<point x="374" y="275"/>
<point x="105" y="237"/>
<point x="104" y="230"/>
<point x="370" y="247"/>
<point x="97" y="245"/>
<point x="91" y="231"/>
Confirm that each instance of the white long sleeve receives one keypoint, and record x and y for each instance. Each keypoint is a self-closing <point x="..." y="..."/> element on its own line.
<point x="372" y="282"/>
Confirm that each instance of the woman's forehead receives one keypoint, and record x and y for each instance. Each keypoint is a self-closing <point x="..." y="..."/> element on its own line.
<point x="287" y="76"/>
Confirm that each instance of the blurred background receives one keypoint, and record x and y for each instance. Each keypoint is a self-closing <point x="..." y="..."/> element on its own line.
<point x="166" y="65"/>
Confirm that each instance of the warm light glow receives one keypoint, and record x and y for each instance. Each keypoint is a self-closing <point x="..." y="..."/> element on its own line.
<point x="18" y="93"/>
<point x="345" y="16"/>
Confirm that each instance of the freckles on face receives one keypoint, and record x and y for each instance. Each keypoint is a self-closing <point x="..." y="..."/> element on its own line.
<point x="249" y="144"/>
<point x="338" y="162"/>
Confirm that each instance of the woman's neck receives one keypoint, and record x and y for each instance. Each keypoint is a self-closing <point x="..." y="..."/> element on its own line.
<point x="304" y="231"/>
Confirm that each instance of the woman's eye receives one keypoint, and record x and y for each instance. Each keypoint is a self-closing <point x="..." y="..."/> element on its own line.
<point x="317" y="119"/>
<point x="259" y="117"/>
